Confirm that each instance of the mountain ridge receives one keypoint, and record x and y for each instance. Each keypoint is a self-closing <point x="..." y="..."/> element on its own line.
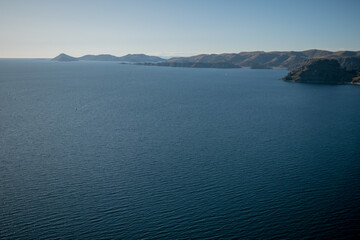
<point x="291" y="60"/>
<point x="132" y="58"/>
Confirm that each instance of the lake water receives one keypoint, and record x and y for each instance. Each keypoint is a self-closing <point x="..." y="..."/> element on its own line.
<point x="99" y="150"/>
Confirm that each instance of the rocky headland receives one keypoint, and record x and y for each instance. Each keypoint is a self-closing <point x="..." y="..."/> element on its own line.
<point x="323" y="71"/>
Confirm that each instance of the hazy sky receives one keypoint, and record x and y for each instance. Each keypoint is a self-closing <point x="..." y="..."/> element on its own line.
<point x="175" y="27"/>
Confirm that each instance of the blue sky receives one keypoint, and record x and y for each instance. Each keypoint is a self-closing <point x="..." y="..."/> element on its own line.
<point x="175" y="28"/>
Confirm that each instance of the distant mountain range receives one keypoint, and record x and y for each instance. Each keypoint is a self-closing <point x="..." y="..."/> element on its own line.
<point x="291" y="60"/>
<point x="350" y="60"/>
<point x="311" y="66"/>
<point x="132" y="58"/>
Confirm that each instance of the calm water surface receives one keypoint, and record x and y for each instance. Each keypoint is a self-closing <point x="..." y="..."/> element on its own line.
<point x="94" y="150"/>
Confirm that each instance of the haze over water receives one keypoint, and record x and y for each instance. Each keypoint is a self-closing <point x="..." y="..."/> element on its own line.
<point x="94" y="150"/>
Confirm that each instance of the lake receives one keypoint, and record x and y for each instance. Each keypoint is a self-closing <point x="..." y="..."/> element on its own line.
<point x="99" y="150"/>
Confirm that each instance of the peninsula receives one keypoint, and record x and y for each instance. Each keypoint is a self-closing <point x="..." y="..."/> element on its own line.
<point x="311" y="66"/>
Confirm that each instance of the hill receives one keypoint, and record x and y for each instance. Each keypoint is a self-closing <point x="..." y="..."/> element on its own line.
<point x="64" y="58"/>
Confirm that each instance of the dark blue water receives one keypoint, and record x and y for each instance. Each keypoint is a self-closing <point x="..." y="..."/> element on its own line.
<point x="92" y="150"/>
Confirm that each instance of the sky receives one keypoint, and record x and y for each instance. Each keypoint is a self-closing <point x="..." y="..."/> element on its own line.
<point x="46" y="28"/>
